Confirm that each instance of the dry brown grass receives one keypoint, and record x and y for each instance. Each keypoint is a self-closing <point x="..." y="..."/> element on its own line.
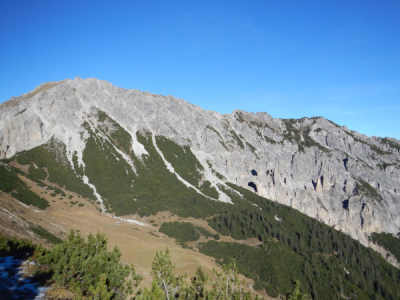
<point x="138" y="244"/>
<point x="57" y="292"/>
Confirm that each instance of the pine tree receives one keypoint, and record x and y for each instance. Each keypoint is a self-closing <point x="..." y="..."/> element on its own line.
<point x="100" y="292"/>
<point x="296" y="294"/>
<point x="226" y="285"/>
<point x="154" y="293"/>
<point x="86" y="267"/>
<point x="163" y="273"/>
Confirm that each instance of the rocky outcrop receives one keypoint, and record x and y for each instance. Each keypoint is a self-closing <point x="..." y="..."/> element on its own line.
<point x="345" y="179"/>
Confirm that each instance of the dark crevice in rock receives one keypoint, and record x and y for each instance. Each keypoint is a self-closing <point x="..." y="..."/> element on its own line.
<point x="291" y="161"/>
<point x="254" y="172"/>
<point x="345" y="163"/>
<point x="345" y="204"/>
<point x="322" y="181"/>
<point x="273" y="177"/>
<point x="314" y="184"/>
<point x="253" y="185"/>
<point x="41" y="128"/>
<point x="362" y="219"/>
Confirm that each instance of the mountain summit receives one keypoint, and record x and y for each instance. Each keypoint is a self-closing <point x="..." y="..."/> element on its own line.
<point x="140" y="153"/>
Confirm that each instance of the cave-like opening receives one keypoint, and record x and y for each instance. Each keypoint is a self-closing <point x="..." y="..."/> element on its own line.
<point x="253" y="185"/>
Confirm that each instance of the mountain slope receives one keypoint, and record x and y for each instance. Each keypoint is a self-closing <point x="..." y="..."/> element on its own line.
<point x="340" y="177"/>
<point x="138" y="153"/>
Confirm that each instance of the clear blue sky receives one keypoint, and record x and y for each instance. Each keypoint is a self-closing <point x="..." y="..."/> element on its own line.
<point x="291" y="59"/>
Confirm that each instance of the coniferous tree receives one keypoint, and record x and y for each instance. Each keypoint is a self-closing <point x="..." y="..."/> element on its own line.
<point x="296" y="294"/>
<point x="87" y="267"/>
<point x="163" y="273"/>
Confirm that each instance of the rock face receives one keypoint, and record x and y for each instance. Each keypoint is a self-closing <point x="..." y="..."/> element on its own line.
<point x="338" y="176"/>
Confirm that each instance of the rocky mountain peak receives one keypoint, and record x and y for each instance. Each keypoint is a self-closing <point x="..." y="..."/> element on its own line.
<point x="340" y="177"/>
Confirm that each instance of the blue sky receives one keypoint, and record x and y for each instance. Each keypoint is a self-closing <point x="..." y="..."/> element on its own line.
<point x="291" y="59"/>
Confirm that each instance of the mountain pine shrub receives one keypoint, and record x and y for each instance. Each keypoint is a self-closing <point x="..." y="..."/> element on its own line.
<point x="88" y="269"/>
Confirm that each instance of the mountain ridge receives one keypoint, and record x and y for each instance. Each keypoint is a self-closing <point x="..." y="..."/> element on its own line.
<point x="340" y="177"/>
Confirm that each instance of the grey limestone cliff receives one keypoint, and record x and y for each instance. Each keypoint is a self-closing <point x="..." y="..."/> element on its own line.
<point x="340" y="177"/>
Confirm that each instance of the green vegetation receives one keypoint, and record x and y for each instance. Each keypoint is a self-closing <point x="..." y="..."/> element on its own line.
<point x="87" y="268"/>
<point x="221" y="141"/>
<point x="252" y="149"/>
<point x="239" y="116"/>
<point x="165" y="285"/>
<point x="204" y="232"/>
<point x="78" y="168"/>
<point x="151" y="188"/>
<point x="10" y="183"/>
<point x="388" y="241"/>
<point x="373" y="147"/>
<point x="333" y="123"/>
<point x="296" y="294"/>
<point x="56" y="191"/>
<point x="186" y="165"/>
<point x="36" y="174"/>
<point x="117" y="134"/>
<point x="237" y="139"/>
<point x="14" y="246"/>
<point x="263" y="264"/>
<point x="257" y="129"/>
<point x="300" y="136"/>
<point x="365" y="188"/>
<point x="223" y="145"/>
<point x="53" y="157"/>
<point x="391" y="143"/>
<point x="326" y="262"/>
<point x="110" y="173"/>
<point x="182" y="160"/>
<point x="21" y="112"/>
<point x="291" y="246"/>
<point x="213" y="129"/>
<point x="384" y="166"/>
<point x="269" y="140"/>
<point x="209" y="190"/>
<point x="220" y="176"/>
<point x="182" y="232"/>
<point x="156" y="189"/>
<point x="40" y="231"/>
